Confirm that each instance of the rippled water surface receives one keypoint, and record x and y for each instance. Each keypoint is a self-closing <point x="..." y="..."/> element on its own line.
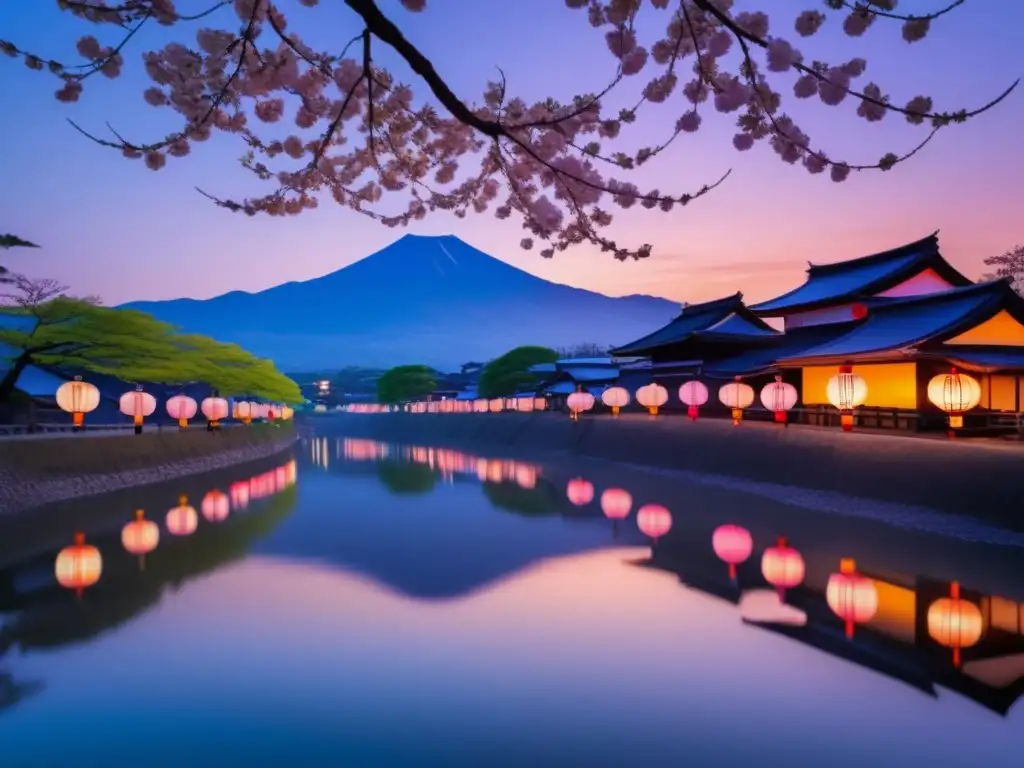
<point x="367" y="605"/>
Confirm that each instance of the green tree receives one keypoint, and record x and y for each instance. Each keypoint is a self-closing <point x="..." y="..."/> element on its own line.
<point x="42" y="326"/>
<point x="522" y="501"/>
<point x="406" y="477"/>
<point x="406" y="382"/>
<point x="506" y="375"/>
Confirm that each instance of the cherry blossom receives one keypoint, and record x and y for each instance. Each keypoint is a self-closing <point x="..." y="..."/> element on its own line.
<point x="321" y="125"/>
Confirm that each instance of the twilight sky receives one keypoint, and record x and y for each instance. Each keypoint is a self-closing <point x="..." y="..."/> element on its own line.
<point x="111" y="227"/>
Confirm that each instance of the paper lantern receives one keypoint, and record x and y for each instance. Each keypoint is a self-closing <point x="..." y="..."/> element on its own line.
<point x="214" y="409"/>
<point x="616" y="503"/>
<point x="782" y="567"/>
<point x="851" y="596"/>
<point x="540" y="403"/>
<point x="140" y="536"/>
<point x="652" y="396"/>
<point x="693" y="394"/>
<point x="779" y="397"/>
<point x="579" y="402"/>
<point x="736" y="396"/>
<point x="954" y="393"/>
<point x="215" y="506"/>
<point x="955" y="623"/>
<point x="526" y="476"/>
<point x="243" y="411"/>
<point x="580" y="492"/>
<point x="138" y="405"/>
<point x="182" y="520"/>
<point x="497" y="405"/>
<point x="78" y="398"/>
<point x="79" y="566"/>
<point x="615" y="398"/>
<point x="182" y="408"/>
<point x="288" y="413"/>
<point x="654" y="520"/>
<point x="239" y="495"/>
<point x="846" y="390"/>
<point x="733" y="545"/>
<point x="480" y="406"/>
<point x="524" y="404"/>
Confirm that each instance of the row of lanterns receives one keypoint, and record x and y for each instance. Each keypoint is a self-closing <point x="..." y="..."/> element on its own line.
<point x="79" y="397"/>
<point x="80" y="565"/>
<point x="952" y="621"/>
<point x="954" y="393"/>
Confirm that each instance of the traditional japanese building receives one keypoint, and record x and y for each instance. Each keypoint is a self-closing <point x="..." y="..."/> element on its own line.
<point x="900" y="317"/>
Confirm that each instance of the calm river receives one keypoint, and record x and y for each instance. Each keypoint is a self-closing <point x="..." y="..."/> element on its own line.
<point x="359" y="604"/>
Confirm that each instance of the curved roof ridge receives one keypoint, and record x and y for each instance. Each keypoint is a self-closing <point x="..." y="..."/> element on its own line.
<point x="931" y="242"/>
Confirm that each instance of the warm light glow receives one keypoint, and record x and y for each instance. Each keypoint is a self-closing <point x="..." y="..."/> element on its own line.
<point x="733" y="545"/>
<point x="846" y="390"/>
<point x="580" y="401"/>
<point x="737" y="396"/>
<point x="955" y="623"/>
<point x="78" y="566"/>
<point x="652" y="396"/>
<point x="216" y="506"/>
<point x="779" y="397"/>
<point x="137" y="404"/>
<point x="615" y="398"/>
<point x="540" y="403"/>
<point x="524" y="404"/>
<point x="783" y="567"/>
<point x="239" y="495"/>
<point x="851" y="596"/>
<point x="693" y="394"/>
<point x="654" y="520"/>
<point x="889" y="385"/>
<point x="182" y="408"/>
<point x="214" y="408"/>
<point x="140" y="536"/>
<point x="497" y="405"/>
<point x="182" y="520"/>
<point x="616" y="503"/>
<point x="1001" y="330"/>
<point x="77" y="397"/>
<point x="580" y="492"/>
<point x="954" y="393"/>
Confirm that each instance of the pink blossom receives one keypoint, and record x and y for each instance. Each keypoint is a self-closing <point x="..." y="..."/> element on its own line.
<point x="857" y="23"/>
<point x="743" y="141"/>
<point x="809" y="22"/>
<point x="814" y="163"/>
<point x="70" y="92"/>
<point x="293" y="147"/>
<point x="689" y="122"/>
<point x="269" y="111"/>
<point x="719" y="43"/>
<point x="526" y="243"/>
<point x="839" y="172"/>
<point x="732" y="96"/>
<point x="620" y="42"/>
<point x="89" y="47"/>
<point x="918" y="107"/>
<point x="781" y="55"/>
<point x="869" y="110"/>
<point x="755" y="23"/>
<point x="915" y="29"/>
<point x="155" y="97"/>
<point x="634" y="61"/>
<point x="155" y="161"/>
<point x="805" y="87"/>
<point x="179" y="147"/>
<point x="833" y="88"/>
<point x="696" y="91"/>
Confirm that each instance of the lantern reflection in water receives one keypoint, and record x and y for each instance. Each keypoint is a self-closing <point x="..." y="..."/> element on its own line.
<point x="616" y="504"/>
<point x="783" y="567"/>
<point x="526" y="476"/>
<point x="140" y="537"/>
<point x="239" y="495"/>
<point x="580" y="492"/>
<point x="654" y="520"/>
<point x="215" y="506"/>
<point x="955" y="623"/>
<point x="182" y="520"/>
<point x="851" y="596"/>
<point x="79" y="566"/>
<point x="733" y="545"/>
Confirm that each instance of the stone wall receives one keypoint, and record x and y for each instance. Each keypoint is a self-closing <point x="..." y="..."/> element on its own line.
<point x="42" y="469"/>
<point x="978" y="478"/>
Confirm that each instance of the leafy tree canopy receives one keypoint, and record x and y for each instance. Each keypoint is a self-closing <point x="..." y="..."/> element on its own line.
<point x="42" y="326"/>
<point x="406" y="382"/>
<point x="506" y="375"/>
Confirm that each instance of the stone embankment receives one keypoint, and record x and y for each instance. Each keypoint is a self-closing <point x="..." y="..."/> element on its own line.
<point x="44" y="469"/>
<point x="977" y="478"/>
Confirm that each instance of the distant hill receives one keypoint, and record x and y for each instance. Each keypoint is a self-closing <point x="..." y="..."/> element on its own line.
<point x="432" y="300"/>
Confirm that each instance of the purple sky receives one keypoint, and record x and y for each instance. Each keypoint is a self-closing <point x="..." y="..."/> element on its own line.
<point x="111" y="227"/>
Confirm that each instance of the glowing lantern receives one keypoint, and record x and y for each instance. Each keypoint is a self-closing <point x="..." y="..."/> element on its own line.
<point x="615" y="398"/>
<point x="851" y="596"/>
<point x="580" y="492"/>
<point x="497" y="405"/>
<point x="540" y="403"/>
<point x="182" y="519"/>
<point x="652" y="396"/>
<point x="733" y="545"/>
<point x="955" y="623"/>
<point x="846" y="390"/>
<point x="214" y="409"/>
<point x="140" y="536"/>
<point x="138" y="405"/>
<point x="736" y="396"/>
<point x="954" y="393"/>
<point x="78" y="398"/>
<point x="288" y="413"/>
<point x="215" y="506"/>
<point x="779" y="397"/>
<point x="182" y="408"/>
<point x="480" y="406"/>
<point x="243" y="411"/>
<point x="578" y="402"/>
<point x="616" y="503"/>
<point x="693" y="394"/>
<point x="654" y="520"/>
<point x="78" y="566"/>
<point x="239" y="495"/>
<point x="782" y="567"/>
<point x="524" y="404"/>
<point x="526" y="476"/>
